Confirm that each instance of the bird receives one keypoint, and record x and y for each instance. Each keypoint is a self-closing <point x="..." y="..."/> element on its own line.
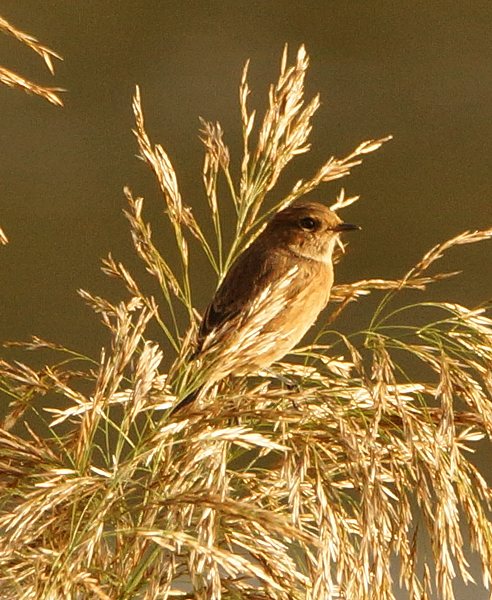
<point x="271" y="295"/>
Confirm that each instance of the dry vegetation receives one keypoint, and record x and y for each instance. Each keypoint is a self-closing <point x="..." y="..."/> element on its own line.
<point x="12" y="79"/>
<point x="355" y="483"/>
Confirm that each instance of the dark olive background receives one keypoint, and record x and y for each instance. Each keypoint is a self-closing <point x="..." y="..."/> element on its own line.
<point x="418" y="70"/>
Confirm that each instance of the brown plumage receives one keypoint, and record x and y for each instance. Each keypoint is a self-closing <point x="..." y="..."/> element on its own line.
<point x="272" y="294"/>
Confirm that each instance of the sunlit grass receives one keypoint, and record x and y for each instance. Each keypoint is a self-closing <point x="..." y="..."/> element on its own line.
<point x="259" y="492"/>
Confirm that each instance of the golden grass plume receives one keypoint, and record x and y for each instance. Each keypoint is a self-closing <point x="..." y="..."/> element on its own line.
<point x="352" y="483"/>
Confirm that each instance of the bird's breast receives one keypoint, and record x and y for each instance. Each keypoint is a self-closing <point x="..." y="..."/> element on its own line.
<point x="310" y="291"/>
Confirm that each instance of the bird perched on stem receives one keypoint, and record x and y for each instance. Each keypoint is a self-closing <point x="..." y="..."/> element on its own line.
<point x="269" y="298"/>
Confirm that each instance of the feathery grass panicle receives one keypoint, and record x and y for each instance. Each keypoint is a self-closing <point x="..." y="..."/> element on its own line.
<point x="28" y="40"/>
<point x="355" y="481"/>
<point x="11" y="79"/>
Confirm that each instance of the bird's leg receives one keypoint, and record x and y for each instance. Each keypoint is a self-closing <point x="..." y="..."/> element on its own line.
<point x="289" y="383"/>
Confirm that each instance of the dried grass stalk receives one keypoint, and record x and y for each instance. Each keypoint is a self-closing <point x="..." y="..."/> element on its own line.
<point x="328" y="489"/>
<point x="12" y="79"/>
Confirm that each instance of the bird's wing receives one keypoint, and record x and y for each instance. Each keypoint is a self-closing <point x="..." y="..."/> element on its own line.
<point x="254" y="270"/>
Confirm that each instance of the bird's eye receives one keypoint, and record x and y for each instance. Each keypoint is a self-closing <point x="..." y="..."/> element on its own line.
<point x="308" y="223"/>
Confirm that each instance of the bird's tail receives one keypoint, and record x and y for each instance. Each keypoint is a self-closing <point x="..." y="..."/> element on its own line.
<point x="187" y="400"/>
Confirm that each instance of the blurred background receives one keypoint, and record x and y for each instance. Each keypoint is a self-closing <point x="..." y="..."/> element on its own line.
<point x="420" y="71"/>
<point x="417" y="70"/>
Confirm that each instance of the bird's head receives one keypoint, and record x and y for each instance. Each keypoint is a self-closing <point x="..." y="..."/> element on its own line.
<point x="309" y="229"/>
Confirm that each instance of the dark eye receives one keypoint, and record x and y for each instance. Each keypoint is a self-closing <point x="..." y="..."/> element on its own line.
<point x="308" y="223"/>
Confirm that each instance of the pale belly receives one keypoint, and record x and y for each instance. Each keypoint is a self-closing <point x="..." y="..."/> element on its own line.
<point x="287" y="329"/>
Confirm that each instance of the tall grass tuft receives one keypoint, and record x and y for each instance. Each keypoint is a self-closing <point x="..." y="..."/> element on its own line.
<point x="352" y="484"/>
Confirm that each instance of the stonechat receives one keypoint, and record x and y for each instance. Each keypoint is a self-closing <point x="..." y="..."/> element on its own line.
<point x="271" y="295"/>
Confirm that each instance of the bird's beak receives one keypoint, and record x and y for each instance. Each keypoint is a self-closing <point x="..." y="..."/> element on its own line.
<point x="345" y="227"/>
